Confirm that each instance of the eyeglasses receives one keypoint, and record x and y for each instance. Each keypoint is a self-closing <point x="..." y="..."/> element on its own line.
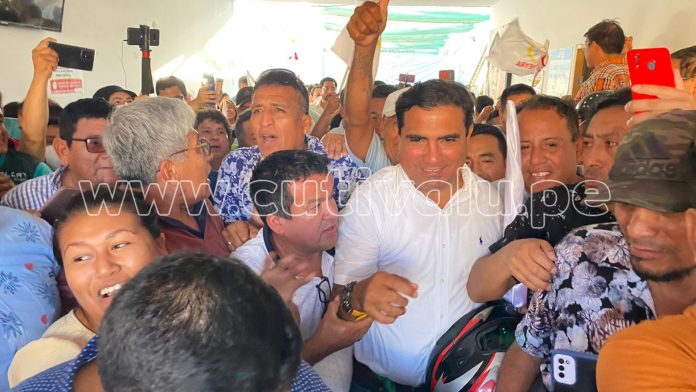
<point x="203" y="145"/>
<point x="324" y="291"/>
<point x="94" y="144"/>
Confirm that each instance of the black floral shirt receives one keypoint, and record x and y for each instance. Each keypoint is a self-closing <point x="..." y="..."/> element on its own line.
<point x="594" y="294"/>
<point x="551" y="214"/>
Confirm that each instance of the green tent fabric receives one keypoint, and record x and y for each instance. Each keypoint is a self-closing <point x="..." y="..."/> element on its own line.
<point x="428" y="34"/>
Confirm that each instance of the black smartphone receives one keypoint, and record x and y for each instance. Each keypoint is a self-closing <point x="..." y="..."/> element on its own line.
<point x="73" y="56"/>
<point x="573" y="371"/>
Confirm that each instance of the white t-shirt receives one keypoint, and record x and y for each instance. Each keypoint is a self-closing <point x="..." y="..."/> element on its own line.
<point x="336" y="369"/>
<point x="61" y="342"/>
<point x="388" y="225"/>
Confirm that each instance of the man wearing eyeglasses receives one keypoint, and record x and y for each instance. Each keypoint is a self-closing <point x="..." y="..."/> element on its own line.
<point x="152" y="144"/>
<point x="81" y="152"/>
<point x="292" y="192"/>
<point x="279" y="116"/>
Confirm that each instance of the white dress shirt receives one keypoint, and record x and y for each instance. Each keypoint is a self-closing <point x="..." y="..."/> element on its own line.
<point x="388" y="225"/>
<point x="336" y="370"/>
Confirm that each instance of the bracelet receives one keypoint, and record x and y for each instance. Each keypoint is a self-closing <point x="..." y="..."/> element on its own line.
<point x="346" y="302"/>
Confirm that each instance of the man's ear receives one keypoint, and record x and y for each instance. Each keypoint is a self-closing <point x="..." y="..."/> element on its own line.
<point x="276" y="223"/>
<point x="161" y="244"/>
<point x="306" y="123"/>
<point x="62" y="150"/>
<point x="168" y="170"/>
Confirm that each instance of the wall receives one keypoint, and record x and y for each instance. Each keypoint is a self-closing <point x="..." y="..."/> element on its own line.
<point x="185" y="28"/>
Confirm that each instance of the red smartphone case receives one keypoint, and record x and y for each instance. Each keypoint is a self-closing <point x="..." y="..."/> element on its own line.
<point x="650" y="66"/>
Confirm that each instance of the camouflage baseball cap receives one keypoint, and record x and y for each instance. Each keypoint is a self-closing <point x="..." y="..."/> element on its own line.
<point x="655" y="165"/>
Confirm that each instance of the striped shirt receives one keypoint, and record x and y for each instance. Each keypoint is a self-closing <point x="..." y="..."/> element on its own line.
<point x="33" y="194"/>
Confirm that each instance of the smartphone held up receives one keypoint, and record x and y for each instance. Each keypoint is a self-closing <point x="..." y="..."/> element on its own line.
<point x="651" y="66"/>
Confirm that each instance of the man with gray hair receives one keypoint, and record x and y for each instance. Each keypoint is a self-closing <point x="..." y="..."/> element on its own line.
<point x="152" y="144"/>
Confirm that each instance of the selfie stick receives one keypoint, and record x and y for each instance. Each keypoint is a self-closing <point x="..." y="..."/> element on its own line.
<point x="146" y="81"/>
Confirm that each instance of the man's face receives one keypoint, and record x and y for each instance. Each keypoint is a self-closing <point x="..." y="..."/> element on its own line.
<point x="432" y="147"/>
<point x="172" y="92"/>
<point x="193" y="170"/>
<point x="121" y="98"/>
<point x="549" y="155"/>
<point x="52" y="132"/>
<point x="658" y="242"/>
<point x="4" y="137"/>
<point x="375" y="109"/>
<point x="85" y="165"/>
<point x="278" y="120"/>
<point x="485" y="158"/>
<point x="590" y="52"/>
<point x="328" y="89"/>
<point x="314" y="222"/>
<point x="689" y="80"/>
<point x="244" y="106"/>
<point x="602" y="137"/>
<point x="216" y="135"/>
<point x="249" y="136"/>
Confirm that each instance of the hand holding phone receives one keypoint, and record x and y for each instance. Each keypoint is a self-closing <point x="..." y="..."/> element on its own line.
<point x="573" y="371"/>
<point x="651" y="66"/>
<point x="73" y="56"/>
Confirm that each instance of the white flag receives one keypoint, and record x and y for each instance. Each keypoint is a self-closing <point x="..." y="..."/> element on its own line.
<point x="515" y="52"/>
<point x="514" y="193"/>
<point x="514" y="181"/>
<point x="250" y="80"/>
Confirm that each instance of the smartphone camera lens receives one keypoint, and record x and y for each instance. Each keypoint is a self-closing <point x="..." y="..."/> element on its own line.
<point x="561" y="361"/>
<point x="651" y="65"/>
<point x="561" y="375"/>
<point x="561" y="368"/>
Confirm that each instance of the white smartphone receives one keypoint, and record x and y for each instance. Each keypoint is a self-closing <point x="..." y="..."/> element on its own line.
<point x="573" y="371"/>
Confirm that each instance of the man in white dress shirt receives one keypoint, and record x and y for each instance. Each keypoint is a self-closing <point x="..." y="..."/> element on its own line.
<point x="292" y="192"/>
<point x="410" y="233"/>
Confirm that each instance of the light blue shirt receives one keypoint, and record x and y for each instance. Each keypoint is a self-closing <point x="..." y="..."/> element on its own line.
<point x="29" y="300"/>
<point x="231" y="195"/>
<point x="376" y="158"/>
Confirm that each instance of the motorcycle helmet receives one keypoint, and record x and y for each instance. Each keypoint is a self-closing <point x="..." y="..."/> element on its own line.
<point x="468" y="356"/>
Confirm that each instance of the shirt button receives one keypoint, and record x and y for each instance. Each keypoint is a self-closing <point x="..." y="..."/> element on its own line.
<point x="442" y="281"/>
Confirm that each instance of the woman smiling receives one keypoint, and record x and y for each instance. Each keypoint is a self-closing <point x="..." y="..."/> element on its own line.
<point x="102" y="241"/>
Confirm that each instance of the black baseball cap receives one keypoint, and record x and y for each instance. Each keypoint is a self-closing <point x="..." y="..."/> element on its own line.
<point x="107" y="91"/>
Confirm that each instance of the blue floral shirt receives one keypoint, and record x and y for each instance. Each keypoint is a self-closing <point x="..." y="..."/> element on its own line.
<point x="232" y="197"/>
<point x="60" y="378"/>
<point x="29" y="300"/>
<point x="594" y="294"/>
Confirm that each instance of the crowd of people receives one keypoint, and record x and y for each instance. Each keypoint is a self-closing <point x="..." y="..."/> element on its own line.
<point x="307" y="239"/>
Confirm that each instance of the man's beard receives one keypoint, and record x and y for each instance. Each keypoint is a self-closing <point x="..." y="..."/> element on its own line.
<point x="668" y="276"/>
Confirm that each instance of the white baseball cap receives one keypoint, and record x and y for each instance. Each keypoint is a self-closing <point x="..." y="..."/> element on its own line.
<point x="390" y="103"/>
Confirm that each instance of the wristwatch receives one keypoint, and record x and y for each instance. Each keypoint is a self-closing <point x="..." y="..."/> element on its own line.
<point x="346" y="302"/>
